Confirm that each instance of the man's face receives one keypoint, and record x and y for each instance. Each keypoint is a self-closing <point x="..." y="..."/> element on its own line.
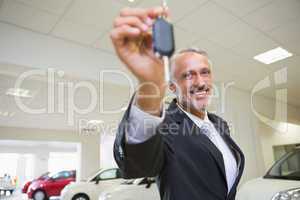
<point x="192" y="80"/>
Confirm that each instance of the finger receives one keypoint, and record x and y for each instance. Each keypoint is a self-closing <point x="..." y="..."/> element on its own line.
<point x="131" y="21"/>
<point x="125" y="31"/>
<point x="157" y="11"/>
<point x="138" y="12"/>
<point x="141" y="13"/>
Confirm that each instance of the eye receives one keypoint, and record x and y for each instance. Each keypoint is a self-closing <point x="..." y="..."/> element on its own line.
<point x="188" y="75"/>
<point x="205" y="72"/>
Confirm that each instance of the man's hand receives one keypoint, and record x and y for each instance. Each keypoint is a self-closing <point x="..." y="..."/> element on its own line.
<point x="132" y="39"/>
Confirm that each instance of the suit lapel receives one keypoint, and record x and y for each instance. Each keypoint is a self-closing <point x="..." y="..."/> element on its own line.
<point x="221" y="126"/>
<point x="179" y="116"/>
<point x="223" y="129"/>
<point x="240" y="160"/>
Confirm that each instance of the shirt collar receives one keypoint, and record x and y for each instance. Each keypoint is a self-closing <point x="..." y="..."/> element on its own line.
<point x="194" y="117"/>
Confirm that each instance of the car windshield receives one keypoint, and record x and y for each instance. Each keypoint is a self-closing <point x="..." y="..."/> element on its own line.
<point x="93" y="175"/>
<point x="62" y="174"/>
<point x="288" y="167"/>
<point x="107" y="174"/>
<point x="51" y="174"/>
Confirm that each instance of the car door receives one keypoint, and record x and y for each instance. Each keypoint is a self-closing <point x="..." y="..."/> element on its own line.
<point x="142" y="188"/>
<point x="58" y="182"/>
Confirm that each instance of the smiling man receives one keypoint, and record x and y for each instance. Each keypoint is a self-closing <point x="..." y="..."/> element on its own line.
<point x="188" y="149"/>
<point x="192" y="80"/>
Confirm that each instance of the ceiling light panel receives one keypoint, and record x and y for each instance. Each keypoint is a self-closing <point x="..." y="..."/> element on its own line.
<point x="273" y="55"/>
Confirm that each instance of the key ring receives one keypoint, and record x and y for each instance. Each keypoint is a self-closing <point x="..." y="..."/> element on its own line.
<point x="165" y="7"/>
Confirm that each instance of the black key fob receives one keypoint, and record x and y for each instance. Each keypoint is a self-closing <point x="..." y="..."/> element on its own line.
<point x="163" y="37"/>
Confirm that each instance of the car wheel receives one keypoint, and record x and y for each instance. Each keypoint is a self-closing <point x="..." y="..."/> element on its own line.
<point x="39" y="195"/>
<point x="80" y="197"/>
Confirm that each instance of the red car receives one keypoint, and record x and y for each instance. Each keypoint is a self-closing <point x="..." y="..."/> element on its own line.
<point x="50" y="186"/>
<point x="27" y="184"/>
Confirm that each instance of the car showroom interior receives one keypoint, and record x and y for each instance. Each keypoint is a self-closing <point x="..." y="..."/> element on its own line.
<point x="66" y="85"/>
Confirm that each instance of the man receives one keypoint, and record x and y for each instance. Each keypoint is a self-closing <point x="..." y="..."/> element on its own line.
<point x="188" y="149"/>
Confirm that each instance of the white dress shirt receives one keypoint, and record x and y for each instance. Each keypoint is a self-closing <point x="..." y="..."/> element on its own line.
<point x="143" y="126"/>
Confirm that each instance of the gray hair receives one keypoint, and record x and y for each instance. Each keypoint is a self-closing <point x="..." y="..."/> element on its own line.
<point x="188" y="50"/>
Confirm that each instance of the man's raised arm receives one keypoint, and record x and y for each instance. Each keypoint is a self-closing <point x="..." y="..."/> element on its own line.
<point x="138" y="149"/>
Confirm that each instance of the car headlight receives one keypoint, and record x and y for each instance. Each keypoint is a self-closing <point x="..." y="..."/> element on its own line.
<point x="293" y="194"/>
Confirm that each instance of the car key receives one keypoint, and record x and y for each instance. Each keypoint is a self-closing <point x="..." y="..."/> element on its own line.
<point x="163" y="41"/>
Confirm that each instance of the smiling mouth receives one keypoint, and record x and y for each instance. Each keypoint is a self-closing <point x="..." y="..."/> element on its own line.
<point x="201" y="93"/>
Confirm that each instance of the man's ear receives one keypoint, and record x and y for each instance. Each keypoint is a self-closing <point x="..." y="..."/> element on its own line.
<point x="172" y="87"/>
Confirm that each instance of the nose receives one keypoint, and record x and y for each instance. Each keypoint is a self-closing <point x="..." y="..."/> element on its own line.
<point x="199" y="80"/>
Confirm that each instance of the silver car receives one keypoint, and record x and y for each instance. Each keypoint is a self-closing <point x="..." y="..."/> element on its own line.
<point x="102" y="181"/>
<point x="282" y="181"/>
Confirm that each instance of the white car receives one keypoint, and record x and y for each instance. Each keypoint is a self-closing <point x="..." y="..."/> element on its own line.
<point x="142" y="188"/>
<point x="282" y="181"/>
<point x="102" y="181"/>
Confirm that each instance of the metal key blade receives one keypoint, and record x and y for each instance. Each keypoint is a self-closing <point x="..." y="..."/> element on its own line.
<point x="166" y="68"/>
<point x="166" y="58"/>
<point x="165" y="4"/>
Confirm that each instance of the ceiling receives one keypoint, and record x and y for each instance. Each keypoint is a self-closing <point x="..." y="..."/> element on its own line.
<point x="231" y="31"/>
<point x="65" y="108"/>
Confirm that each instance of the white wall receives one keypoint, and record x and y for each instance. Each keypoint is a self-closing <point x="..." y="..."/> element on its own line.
<point x="254" y="136"/>
<point x="106" y="152"/>
<point x="21" y="170"/>
<point x="270" y="136"/>
<point x="243" y="125"/>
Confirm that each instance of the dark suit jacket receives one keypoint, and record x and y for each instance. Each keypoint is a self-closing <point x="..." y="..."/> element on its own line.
<point x="188" y="166"/>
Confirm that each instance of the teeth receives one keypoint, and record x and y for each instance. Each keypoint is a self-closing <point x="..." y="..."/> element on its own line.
<point x="201" y="93"/>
